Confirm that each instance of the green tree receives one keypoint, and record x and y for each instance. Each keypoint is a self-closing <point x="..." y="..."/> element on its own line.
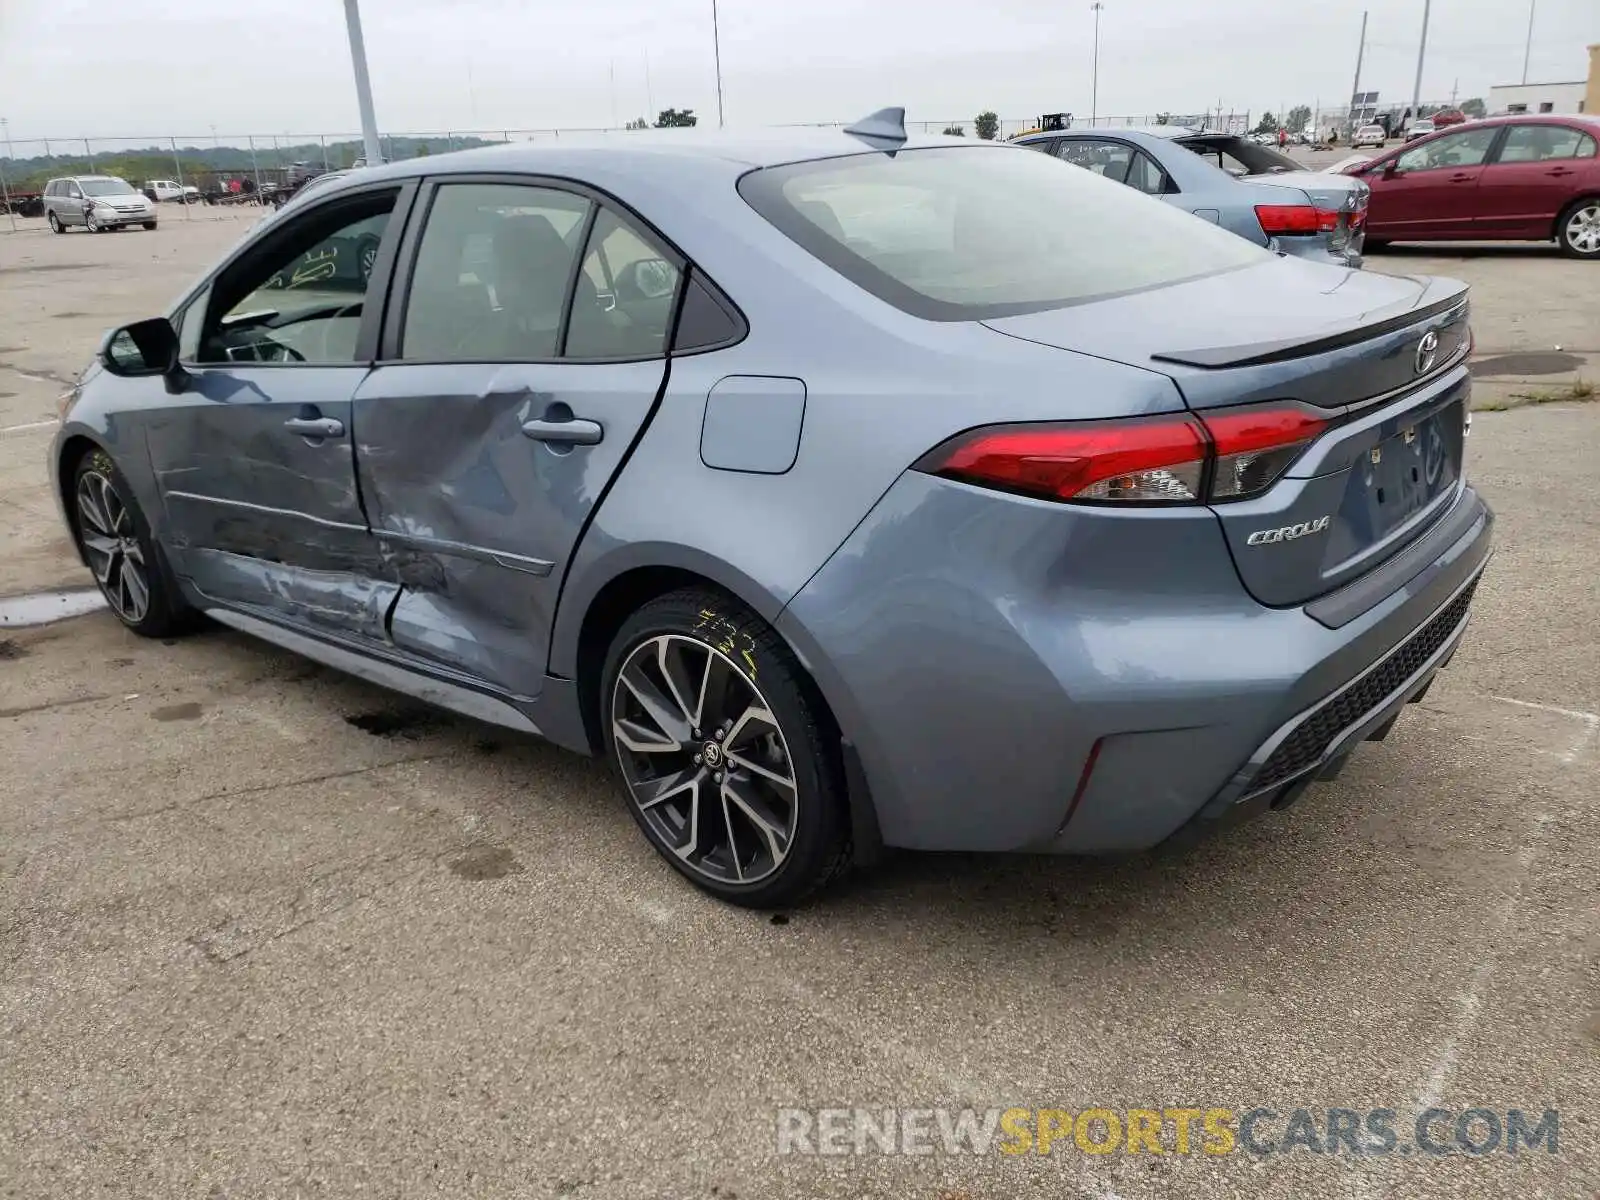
<point x="1267" y="124"/>
<point x="1163" y="118"/>
<point x="422" y="150"/>
<point x="987" y="125"/>
<point x="954" y="131"/>
<point x="1299" y="118"/>
<point x="638" y="123"/>
<point x="1474" y="108"/>
<point x="672" y="118"/>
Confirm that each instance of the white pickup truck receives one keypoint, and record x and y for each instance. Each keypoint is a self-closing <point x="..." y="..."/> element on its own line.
<point x="161" y="190"/>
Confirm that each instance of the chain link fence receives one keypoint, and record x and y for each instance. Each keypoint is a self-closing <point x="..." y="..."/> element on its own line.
<point x="209" y="172"/>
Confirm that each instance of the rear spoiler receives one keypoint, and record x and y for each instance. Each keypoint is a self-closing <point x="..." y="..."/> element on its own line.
<point x="1383" y="321"/>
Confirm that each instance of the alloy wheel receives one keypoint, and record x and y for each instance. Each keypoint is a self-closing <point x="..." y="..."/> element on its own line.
<point x="704" y="760"/>
<point x="89" y="223"/>
<point x="54" y="222"/>
<point x="1583" y="229"/>
<point x="112" y="547"/>
<point x="369" y="257"/>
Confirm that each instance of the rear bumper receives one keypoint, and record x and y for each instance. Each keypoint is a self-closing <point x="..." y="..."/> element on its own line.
<point x="979" y="651"/>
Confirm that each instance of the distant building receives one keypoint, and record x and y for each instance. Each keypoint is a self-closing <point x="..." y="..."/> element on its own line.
<point x="1519" y="98"/>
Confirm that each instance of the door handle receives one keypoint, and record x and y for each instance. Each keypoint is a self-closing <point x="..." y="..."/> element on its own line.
<point x="1560" y="171"/>
<point x="315" y="427"/>
<point x="1462" y="177"/>
<point x="575" y="431"/>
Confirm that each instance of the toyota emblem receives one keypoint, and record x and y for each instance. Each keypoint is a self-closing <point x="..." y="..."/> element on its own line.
<point x="1427" y="349"/>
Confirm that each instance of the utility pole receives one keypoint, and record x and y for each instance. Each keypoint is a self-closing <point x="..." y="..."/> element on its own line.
<point x="358" y="59"/>
<point x="1528" y="48"/>
<point x="1422" y="49"/>
<point x="716" y="46"/>
<point x="1094" y="75"/>
<point x="1355" y="88"/>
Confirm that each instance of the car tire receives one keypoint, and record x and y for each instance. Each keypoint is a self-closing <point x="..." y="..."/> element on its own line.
<point x="1374" y="246"/>
<point x="366" y="258"/>
<point x="150" y="225"/>
<point x="90" y="225"/>
<point x="54" y="222"/>
<point x="1578" y="228"/>
<point x="725" y="750"/>
<point x="114" y="538"/>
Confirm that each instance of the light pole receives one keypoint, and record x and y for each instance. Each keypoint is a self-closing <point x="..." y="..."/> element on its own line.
<point x="716" y="49"/>
<point x="1422" y="48"/>
<point x="358" y="59"/>
<point x="1528" y="48"/>
<point x="1094" y="74"/>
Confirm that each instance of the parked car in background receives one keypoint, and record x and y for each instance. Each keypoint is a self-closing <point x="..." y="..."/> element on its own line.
<point x="1419" y="129"/>
<point x="165" y="191"/>
<point x="96" y="202"/>
<point x="1447" y="117"/>
<point x="1250" y="190"/>
<point x="954" y="499"/>
<point x="1533" y="178"/>
<point x="1370" y="135"/>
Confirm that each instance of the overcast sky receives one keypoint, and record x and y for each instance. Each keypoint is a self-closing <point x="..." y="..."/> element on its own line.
<point x="70" y="68"/>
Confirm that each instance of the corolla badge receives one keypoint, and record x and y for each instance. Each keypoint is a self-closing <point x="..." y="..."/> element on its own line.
<point x="1288" y="533"/>
<point x="1427" y="350"/>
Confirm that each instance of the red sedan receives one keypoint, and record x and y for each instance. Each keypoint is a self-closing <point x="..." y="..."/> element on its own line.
<point x="1527" y="178"/>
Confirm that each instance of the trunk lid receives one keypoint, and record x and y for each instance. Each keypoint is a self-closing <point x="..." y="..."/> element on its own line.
<point x="1342" y="194"/>
<point x="1347" y="345"/>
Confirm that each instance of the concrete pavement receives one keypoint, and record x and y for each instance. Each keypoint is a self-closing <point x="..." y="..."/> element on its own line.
<point x="266" y="931"/>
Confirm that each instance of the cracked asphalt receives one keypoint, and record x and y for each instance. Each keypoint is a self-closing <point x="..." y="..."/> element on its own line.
<point x="267" y="931"/>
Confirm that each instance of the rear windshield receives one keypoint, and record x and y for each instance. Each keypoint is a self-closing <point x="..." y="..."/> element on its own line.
<point x="961" y="234"/>
<point x="1255" y="158"/>
<point x="105" y="187"/>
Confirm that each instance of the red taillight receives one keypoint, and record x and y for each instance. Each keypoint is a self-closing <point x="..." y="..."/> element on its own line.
<point x="1281" y="220"/>
<point x="1159" y="459"/>
<point x="1162" y="460"/>
<point x="1255" y="446"/>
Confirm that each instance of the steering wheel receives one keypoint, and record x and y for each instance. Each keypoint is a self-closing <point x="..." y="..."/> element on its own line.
<point x="324" y="354"/>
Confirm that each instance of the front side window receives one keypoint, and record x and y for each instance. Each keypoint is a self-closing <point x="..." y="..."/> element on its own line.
<point x="1543" y="143"/>
<point x="73" y="192"/>
<point x="492" y="273"/>
<point x="1454" y="150"/>
<point x="301" y="296"/>
<point x="960" y="234"/>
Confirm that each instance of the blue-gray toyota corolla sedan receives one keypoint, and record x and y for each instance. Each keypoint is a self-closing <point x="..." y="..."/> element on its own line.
<point x="842" y="490"/>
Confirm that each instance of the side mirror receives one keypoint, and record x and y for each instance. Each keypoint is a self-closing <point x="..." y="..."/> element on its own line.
<point x="1390" y="170"/>
<point x="143" y="349"/>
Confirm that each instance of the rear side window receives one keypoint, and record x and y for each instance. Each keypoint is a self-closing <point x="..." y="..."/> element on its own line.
<point x="492" y="273"/>
<point x="961" y="234"/>
<point x="1543" y="143"/>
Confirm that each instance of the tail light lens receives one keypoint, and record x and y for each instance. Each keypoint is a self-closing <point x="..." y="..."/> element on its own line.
<point x="1295" y="220"/>
<point x="1161" y="460"/>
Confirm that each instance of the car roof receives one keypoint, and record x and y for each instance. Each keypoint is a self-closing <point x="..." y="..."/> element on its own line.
<point x="1588" y="119"/>
<point x="736" y="151"/>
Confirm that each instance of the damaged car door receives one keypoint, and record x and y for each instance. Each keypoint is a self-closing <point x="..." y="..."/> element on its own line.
<point x="516" y="371"/>
<point x="253" y="456"/>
